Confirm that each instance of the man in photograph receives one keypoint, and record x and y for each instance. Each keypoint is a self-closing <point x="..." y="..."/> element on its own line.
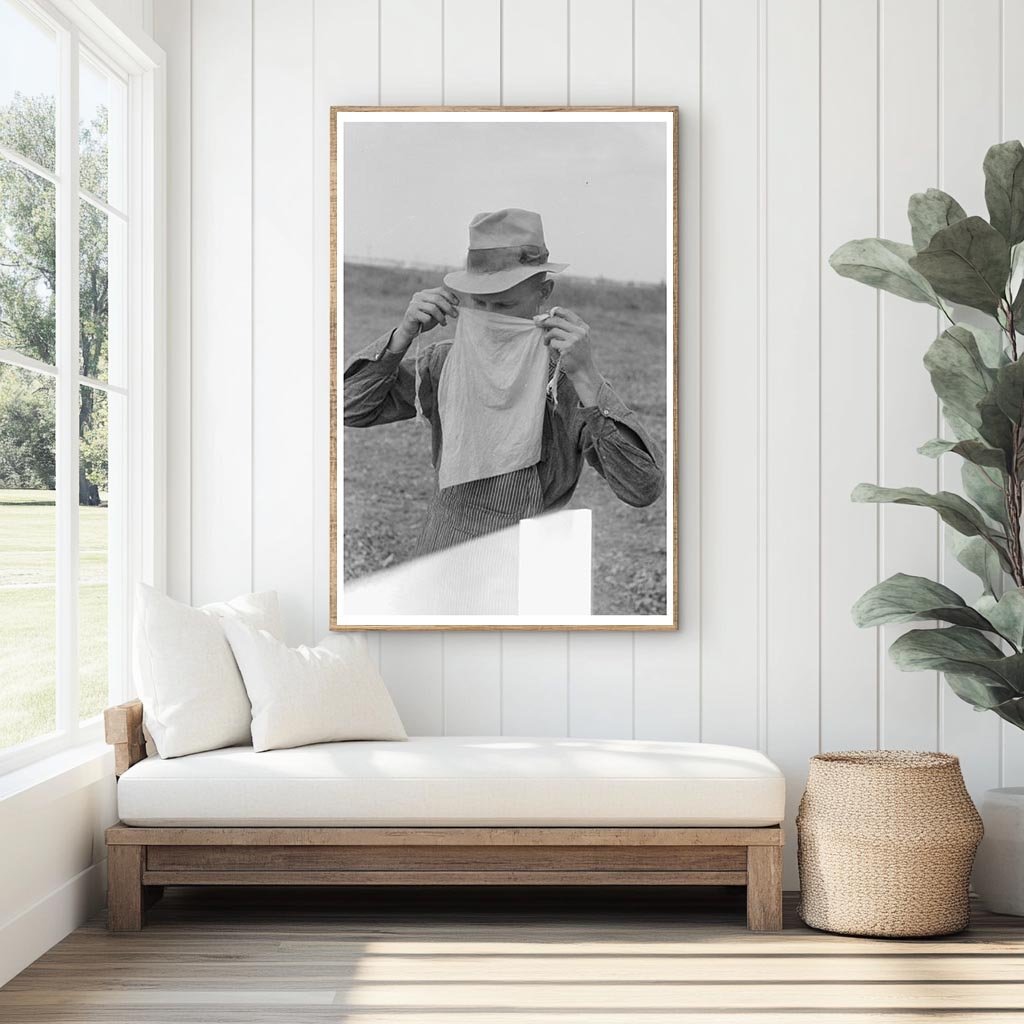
<point x="515" y="402"/>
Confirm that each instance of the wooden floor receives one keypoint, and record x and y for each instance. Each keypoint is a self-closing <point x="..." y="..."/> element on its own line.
<point x="275" y="955"/>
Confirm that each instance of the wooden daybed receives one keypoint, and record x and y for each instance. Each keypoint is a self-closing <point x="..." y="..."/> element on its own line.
<point x="181" y="849"/>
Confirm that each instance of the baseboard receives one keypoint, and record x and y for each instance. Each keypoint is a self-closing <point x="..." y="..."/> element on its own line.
<point x="26" y="937"/>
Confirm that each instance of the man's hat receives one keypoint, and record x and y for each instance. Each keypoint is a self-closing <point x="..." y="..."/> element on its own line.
<point x="505" y="247"/>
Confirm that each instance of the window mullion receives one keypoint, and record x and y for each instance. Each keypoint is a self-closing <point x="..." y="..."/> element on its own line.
<point x="67" y="386"/>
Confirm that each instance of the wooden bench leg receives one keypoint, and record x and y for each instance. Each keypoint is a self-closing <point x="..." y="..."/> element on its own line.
<point x="764" y="888"/>
<point x="125" y="896"/>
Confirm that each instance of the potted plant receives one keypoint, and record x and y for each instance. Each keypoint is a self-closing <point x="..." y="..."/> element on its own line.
<point x="977" y="372"/>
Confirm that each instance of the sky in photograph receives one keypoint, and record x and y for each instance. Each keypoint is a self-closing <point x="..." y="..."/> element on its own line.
<point x="411" y="189"/>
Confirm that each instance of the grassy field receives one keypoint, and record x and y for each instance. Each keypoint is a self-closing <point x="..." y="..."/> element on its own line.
<point x="28" y="525"/>
<point x="387" y="473"/>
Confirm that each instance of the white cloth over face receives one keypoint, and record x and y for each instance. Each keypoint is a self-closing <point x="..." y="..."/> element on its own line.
<point x="491" y="397"/>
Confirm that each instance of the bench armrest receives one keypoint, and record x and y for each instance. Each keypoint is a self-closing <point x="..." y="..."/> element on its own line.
<point x="122" y="729"/>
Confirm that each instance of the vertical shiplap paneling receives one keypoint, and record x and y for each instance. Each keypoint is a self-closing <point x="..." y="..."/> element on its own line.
<point x="411" y="73"/>
<point x="534" y="695"/>
<point x="601" y="664"/>
<point x="666" y="666"/>
<point x="792" y="417"/>
<point x="534" y="672"/>
<point x="601" y="684"/>
<point x="130" y="14"/>
<point x="172" y="29"/>
<point x="600" y="52"/>
<point x="472" y="684"/>
<point x="472" y="75"/>
<point x="412" y="664"/>
<point x="221" y="371"/>
<point x="969" y="124"/>
<point x="472" y="52"/>
<point x="283" y="339"/>
<point x="734" y="181"/>
<point x="909" y="416"/>
<point x="730" y="194"/>
<point x="534" y="58"/>
<point x="849" y="372"/>
<point x="410" y="52"/>
<point x="344" y="52"/>
<point x="1011" y="111"/>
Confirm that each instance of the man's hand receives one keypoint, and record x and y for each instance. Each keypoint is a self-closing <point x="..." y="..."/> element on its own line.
<point x="426" y="310"/>
<point x="569" y="335"/>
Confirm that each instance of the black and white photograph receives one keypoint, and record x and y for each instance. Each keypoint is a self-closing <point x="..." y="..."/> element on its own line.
<point x="504" y="359"/>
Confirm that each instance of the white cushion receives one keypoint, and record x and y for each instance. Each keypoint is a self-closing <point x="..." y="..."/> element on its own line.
<point x="309" y="694"/>
<point x="191" y="691"/>
<point x="455" y="780"/>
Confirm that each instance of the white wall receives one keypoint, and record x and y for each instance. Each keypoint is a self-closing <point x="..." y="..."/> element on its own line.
<point x="804" y="123"/>
<point x="53" y="865"/>
<point x="130" y="15"/>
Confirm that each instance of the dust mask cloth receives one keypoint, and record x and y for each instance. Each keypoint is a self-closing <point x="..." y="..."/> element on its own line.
<point x="491" y="397"/>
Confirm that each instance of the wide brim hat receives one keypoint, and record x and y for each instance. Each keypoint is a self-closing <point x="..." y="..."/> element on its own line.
<point x="505" y="248"/>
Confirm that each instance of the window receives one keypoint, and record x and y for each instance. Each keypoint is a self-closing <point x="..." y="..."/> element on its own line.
<point x="77" y="253"/>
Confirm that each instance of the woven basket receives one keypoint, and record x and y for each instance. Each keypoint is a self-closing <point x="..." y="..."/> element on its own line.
<point x="886" y="840"/>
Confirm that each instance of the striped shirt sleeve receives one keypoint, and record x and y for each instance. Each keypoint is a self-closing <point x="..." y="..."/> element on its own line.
<point x="380" y="386"/>
<point x="617" y="445"/>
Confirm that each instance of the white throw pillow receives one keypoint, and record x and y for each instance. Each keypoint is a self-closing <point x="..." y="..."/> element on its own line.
<point x="192" y="693"/>
<point x="309" y="694"/>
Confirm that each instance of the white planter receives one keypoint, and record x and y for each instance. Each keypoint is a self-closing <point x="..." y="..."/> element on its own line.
<point x="999" y="867"/>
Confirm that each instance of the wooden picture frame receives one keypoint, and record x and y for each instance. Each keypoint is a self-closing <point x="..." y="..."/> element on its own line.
<point x="343" y="615"/>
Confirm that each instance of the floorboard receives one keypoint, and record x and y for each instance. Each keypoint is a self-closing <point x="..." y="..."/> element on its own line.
<point x="495" y="956"/>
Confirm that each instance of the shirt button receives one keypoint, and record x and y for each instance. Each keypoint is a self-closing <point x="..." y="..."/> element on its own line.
<point x="605" y="412"/>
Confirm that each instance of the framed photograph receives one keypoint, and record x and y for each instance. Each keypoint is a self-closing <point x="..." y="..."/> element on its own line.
<point x="504" y="400"/>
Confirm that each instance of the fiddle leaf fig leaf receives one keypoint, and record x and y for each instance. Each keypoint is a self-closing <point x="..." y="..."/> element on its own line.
<point x="976" y="555"/>
<point x="1016" y="281"/>
<point x="973" y="451"/>
<point x="883" y="264"/>
<point x="990" y="345"/>
<point x="958" y="371"/>
<point x="922" y="650"/>
<point x="984" y="486"/>
<point x="936" y="447"/>
<point x="967" y="263"/>
<point x="1015" y="286"/>
<point x="1004" y="189"/>
<point x="1017" y="309"/>
<point x="996" y="428"/>
<point x="1011" y="711"/>
<point x="1009" y="390"/>
<point x="952" y="509"/>
<point x="963" y="652"/>
<point x="903" y="598"/>
<point x="980" y="692"/>
<point x="929" y="212"/>
<point x="962" y="430"/>
<point x="1006" y="614"/>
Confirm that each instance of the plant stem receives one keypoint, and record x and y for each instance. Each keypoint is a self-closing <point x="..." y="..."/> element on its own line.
<point x="1012" y="495"/>
<point x="1013" y="510"/>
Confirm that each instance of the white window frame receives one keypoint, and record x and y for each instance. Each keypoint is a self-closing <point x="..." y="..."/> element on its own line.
<point x="141" y="64"/>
